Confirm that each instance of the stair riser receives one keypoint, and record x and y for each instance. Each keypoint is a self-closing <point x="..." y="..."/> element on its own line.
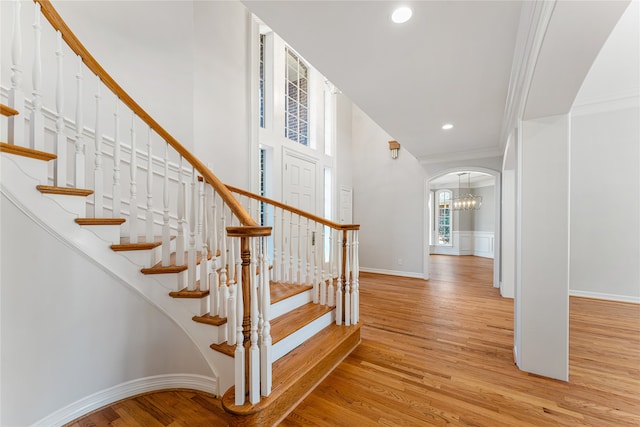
<point x="74" y="204"/>
<point x="292" y="341"/>
<point x="146" y="258"/>
<point x="178" y="281"/>
<point x="109" y="233"/>
<point x="36" y="169"/>
<point x="291" y="303"/>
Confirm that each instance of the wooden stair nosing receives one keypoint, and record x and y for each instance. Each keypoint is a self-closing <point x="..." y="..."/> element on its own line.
<point x="224" y="348"/>
<point x="281" y="291"/>
<point x="65" y="191"/>
<point x="173" y="268"/>
<point x="295" y="375"/>
<point x="141" y="245"/>
<point x="186" y="293"/>
<point x="210" y="320"/>
<point x="26" y="152"/>
<point x="7" y="111"/>
<point x="100" y="221"/>
<point x="296" y="319"/>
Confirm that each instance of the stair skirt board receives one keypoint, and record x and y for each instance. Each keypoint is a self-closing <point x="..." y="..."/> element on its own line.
<point x="33" y="168"/>
<point x="292" y="341"/>
<point x="60" y="224"/>
<point x="125" y="390"/>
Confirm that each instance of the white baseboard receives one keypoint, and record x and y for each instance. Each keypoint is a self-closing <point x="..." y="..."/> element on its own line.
<point x="608" y="297"/>
<point x="125" y="390"/>
<point x="393" y="272"/>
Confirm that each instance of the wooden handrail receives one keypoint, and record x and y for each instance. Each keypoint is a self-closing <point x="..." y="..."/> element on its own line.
<point x="296" y="211"/>
<point x="78" y="48"/>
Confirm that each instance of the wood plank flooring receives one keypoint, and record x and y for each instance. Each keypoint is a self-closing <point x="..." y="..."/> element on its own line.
<point x="439" y="352"/>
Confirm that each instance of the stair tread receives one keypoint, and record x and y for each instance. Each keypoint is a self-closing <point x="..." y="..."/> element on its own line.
<point x="67" y="191"/>
<point x="210" y="320"/>
<point x="296" y="319"/>
<point x="186" y="293"/>
<point x="281" y="291"/>
<point x="141" y="245"/>
<point x="224" y="348"/>
<point x="5" y="110"/>
<point x="172" y="267"/>
<point x="100" y="221"/>
<point x="296" y="373"/>
<point x="26" y="152"/>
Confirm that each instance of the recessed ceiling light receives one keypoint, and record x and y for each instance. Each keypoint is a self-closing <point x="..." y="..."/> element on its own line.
<point x="401" y="15"/>
<point x="447" y="126"/>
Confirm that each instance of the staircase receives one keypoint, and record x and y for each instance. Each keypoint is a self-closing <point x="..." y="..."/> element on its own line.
<point x="272" y="329"/>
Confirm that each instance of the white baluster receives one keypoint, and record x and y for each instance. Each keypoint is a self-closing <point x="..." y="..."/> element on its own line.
<point x="283" y="263"/>
<point x="202" y="231"/>
<point x="300" y="243"/>
<point x="116" y="162"/>
<point x="347" y="284"/>
<point x="192" y="254"/>
<point x="332" y="259"/>
<point x="275" y="235"/>
<point x="37" y="120"/>
<point x="239" y="353"/>
<point x="308" y="248"/>
<point x="231" y="313"/>
<point x="182" y="204"/>
<point x="254" y="351"/>
<point x="232" y="262"/>
<point x="149" y="219"/>
<point x="338" y="300"/>
<point x="166" y="240"/>
<point x="133" y="189"/>
<point x="16" y="126"/>
<point x="60" y="139"/>
<point x="291" y="260"/>
<point x="79" y="165"/>
<point x="224" y="288"/>
<point x="212" y="222"/>
<point x="316" y="258"/>
<point x="265" y="342"/>
<point x="214" y="294"/>
<point x="98" y="181"/>
<point x="355" y="292"/>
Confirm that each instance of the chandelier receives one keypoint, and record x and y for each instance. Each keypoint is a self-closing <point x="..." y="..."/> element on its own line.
<point x="466" y="202"/>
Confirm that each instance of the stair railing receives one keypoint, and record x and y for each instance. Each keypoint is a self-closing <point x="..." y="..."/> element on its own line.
<point x="210" y="231"/>
<point x="308" y="249"/>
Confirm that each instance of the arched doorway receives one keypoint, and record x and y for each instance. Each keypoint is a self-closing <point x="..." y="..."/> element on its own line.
<point x="464" y="240"/>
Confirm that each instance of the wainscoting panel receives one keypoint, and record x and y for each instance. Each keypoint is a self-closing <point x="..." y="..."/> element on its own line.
<point x="477" y="243"/>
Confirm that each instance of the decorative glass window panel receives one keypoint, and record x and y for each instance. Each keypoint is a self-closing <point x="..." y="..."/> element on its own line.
<point x="297" y="99"/>
<point x="444" y="217"/>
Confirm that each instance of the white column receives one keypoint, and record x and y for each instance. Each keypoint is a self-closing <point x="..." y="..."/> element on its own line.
<point x="149" y="219"/>
<point x="133" y="188"/>
<point x="542" y="290"/>
<point x="116" y="162"/>
<point x="166" y="229"/>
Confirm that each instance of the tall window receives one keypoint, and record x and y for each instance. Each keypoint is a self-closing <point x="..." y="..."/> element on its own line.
<point x="262" y="183"/>
<point x="261" y="87"/>
<point x="297" y="99"/>
<point x="443" y="217"/>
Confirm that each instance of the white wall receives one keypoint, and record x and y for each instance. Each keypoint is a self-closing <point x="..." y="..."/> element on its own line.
<point x="388" y="202"/>
<point x="605" y="170"/>
<point x="543" y="255"/>
<point x="484" y="218"/>
<point x="69" y="329"/>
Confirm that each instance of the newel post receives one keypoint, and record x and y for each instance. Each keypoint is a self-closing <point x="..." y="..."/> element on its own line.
<point x="248" y="281"/>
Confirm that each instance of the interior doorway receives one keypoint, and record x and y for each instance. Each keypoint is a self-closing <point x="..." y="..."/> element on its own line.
<point x="463" y="215"/>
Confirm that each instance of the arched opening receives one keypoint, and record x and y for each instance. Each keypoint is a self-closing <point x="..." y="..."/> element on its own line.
<point x="452" y="231"/>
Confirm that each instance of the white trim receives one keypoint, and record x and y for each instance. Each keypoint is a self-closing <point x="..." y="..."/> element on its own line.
<point x="127" y="389"/>
<point x="606" y="105"/>
<point x="603" y="296"/>
<point x="460" y="155"/>
<point x="414" y="275"/>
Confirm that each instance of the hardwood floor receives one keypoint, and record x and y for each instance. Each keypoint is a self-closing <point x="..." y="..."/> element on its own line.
<point x="439" y="352"/>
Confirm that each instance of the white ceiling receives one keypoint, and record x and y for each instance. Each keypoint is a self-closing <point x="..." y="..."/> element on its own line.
<point x="449" y="64"/>
<point x="467" y="179"/>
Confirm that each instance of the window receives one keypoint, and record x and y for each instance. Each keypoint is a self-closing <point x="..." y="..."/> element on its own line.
<point x="261" y="87"/>
<point x="262" y="183"/>
<point x="443" y="217"/>
<point x="328" y="212"/>
<point x="297" y="99"/>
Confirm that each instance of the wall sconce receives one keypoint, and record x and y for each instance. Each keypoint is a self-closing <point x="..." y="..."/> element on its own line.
<point x="394" y="146"/>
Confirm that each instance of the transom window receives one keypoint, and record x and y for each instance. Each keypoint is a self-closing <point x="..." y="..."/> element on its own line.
<point x="297" y="99"/>
<point x="261" y="87"/>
